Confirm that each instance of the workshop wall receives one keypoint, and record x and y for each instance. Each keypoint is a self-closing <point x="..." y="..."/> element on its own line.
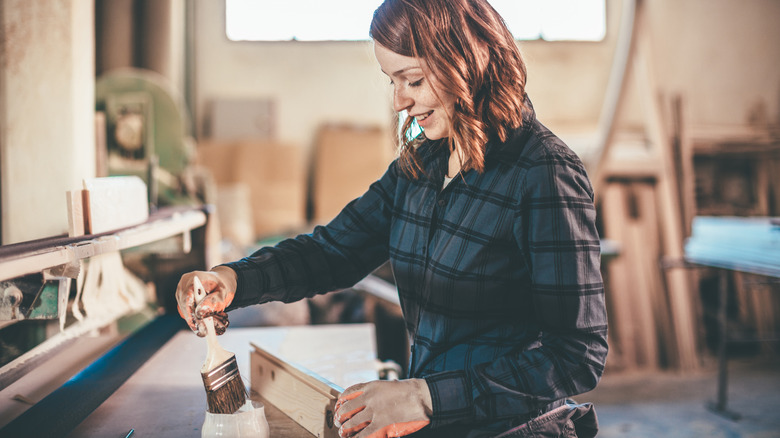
<point x="313" y="83"/>
<point x="720" y="57"/>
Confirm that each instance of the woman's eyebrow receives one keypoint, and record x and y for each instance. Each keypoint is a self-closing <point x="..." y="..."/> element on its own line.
<point x="403" y="70"/>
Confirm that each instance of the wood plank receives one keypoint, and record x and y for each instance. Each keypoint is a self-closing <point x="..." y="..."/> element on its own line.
<point x="687" y="175"/>
<point x="662" y="327"/>
<point x="101" y="145"/>
<point x="643" y="246"/>
<point x="617" y="88"/>
<point x="76" y="222"/>
<point x="115" y="202"/>
<point x="303" y="396"/>
<point x="274" y="173"/>
<point x="671" y="220"/>
<point x="337" y="180"/>
<point x="622" y="353"/>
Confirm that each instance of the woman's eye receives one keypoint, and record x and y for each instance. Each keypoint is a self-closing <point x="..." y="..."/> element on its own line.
<point x="416" y="83"/>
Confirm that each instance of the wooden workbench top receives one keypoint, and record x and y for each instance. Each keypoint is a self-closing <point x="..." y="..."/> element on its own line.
<point x="166" y="398"/>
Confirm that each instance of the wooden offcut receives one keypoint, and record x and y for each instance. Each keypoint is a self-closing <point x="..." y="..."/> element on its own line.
<point x="302" y="395"/>
<point x="115" y="202"/>
<point x="76" y="220"/>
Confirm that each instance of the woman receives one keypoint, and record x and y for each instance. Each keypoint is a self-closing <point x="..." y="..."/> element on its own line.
<point x="488" y="222"/>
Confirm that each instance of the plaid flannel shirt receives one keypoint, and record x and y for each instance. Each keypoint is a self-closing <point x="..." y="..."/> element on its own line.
<point x="498" y="276"/>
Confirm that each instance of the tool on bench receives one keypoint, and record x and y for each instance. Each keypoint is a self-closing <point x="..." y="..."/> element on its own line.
<point x="225" y="391"/>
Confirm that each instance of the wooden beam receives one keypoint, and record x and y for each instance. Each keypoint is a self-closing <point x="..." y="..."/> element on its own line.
<point x="614" y="98"/>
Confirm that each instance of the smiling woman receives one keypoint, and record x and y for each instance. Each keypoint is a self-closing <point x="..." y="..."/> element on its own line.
<point x="488" y="224"/>
<point x="345" y="20"/>
<point x="429" y="105"/>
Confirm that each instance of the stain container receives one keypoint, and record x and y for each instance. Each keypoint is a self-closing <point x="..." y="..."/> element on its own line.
<point x="248" y="422"/>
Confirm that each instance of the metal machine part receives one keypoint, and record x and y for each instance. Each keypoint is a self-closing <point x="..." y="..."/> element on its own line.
<point x="33" y="297"/>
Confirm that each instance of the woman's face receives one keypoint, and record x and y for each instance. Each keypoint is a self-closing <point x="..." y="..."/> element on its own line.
<point x="414" y="92"/>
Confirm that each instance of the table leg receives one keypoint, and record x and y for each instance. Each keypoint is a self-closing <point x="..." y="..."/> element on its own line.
<point x="720" y="405"/>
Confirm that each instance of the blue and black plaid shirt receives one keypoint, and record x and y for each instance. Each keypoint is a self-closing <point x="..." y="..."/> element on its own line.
<point x="498" y="275"/>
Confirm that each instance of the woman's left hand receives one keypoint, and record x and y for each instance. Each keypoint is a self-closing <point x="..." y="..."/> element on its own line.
<point x="382" y="409"/>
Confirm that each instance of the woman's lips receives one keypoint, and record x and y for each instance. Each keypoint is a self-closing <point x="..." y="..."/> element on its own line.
<point x="423" y="119"/>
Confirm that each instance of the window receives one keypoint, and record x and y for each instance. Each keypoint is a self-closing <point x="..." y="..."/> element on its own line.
<point x="554" y="20"/>
<point x="348" y="20"/>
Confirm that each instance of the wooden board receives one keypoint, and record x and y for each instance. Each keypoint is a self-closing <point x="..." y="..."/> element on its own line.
<point x="239" y="119"/>
<point x="303" y="396"/>
<point x="682" y="306"/>
<point x="275" y="174"/>
<point x="347" y="160"/>
<point x="115" y="202"/>
<point x="76" y="222"/>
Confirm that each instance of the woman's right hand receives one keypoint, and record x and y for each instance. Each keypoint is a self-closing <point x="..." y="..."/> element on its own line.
<point x="220" y="285"/>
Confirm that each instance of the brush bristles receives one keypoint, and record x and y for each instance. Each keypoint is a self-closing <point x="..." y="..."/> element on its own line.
<point x="225" y="391"/>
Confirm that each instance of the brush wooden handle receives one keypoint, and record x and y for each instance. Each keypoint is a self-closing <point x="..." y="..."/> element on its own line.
<point x="216" y="355"/>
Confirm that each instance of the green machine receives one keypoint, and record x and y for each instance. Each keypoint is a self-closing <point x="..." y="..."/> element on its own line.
<point x="147" y="133"/>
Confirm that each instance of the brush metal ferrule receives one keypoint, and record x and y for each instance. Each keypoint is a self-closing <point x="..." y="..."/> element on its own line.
<point x="221" y="375"/>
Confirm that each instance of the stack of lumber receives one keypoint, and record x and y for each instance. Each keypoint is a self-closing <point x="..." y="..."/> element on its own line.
<point x="347" y="159"/>
<point x="270" y="176"/>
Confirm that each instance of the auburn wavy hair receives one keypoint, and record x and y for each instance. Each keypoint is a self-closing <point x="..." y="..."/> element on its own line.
<point x="466" y="45"/>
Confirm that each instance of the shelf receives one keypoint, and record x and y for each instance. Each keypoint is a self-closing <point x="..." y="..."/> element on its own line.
<point x="36" y="256"/>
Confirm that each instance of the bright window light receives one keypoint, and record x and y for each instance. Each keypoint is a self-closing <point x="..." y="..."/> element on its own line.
<point x="349" y="20"/>
<point x="554" y="20"/>
<point x="302" y="20"/>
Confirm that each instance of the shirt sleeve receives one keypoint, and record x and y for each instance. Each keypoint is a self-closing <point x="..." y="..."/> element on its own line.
<point x="555" y="227"/>
<point x="332" y="257"/>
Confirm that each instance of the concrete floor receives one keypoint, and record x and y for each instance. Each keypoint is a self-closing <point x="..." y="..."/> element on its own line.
<point x="645" y="405"/>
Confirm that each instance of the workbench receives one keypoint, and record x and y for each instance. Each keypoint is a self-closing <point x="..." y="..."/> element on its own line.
<point x="165" y="396"/>
<point x="749" y="245"/>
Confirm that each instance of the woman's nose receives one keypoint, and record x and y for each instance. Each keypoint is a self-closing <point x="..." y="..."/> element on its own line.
<point x="401" y="101"/>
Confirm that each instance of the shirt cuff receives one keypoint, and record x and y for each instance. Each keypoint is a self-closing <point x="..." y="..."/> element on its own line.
<point x="451" y="398"/>
<point x="248" y="284"/>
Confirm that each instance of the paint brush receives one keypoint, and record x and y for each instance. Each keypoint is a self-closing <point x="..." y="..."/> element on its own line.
<point x="225" y="391"/>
